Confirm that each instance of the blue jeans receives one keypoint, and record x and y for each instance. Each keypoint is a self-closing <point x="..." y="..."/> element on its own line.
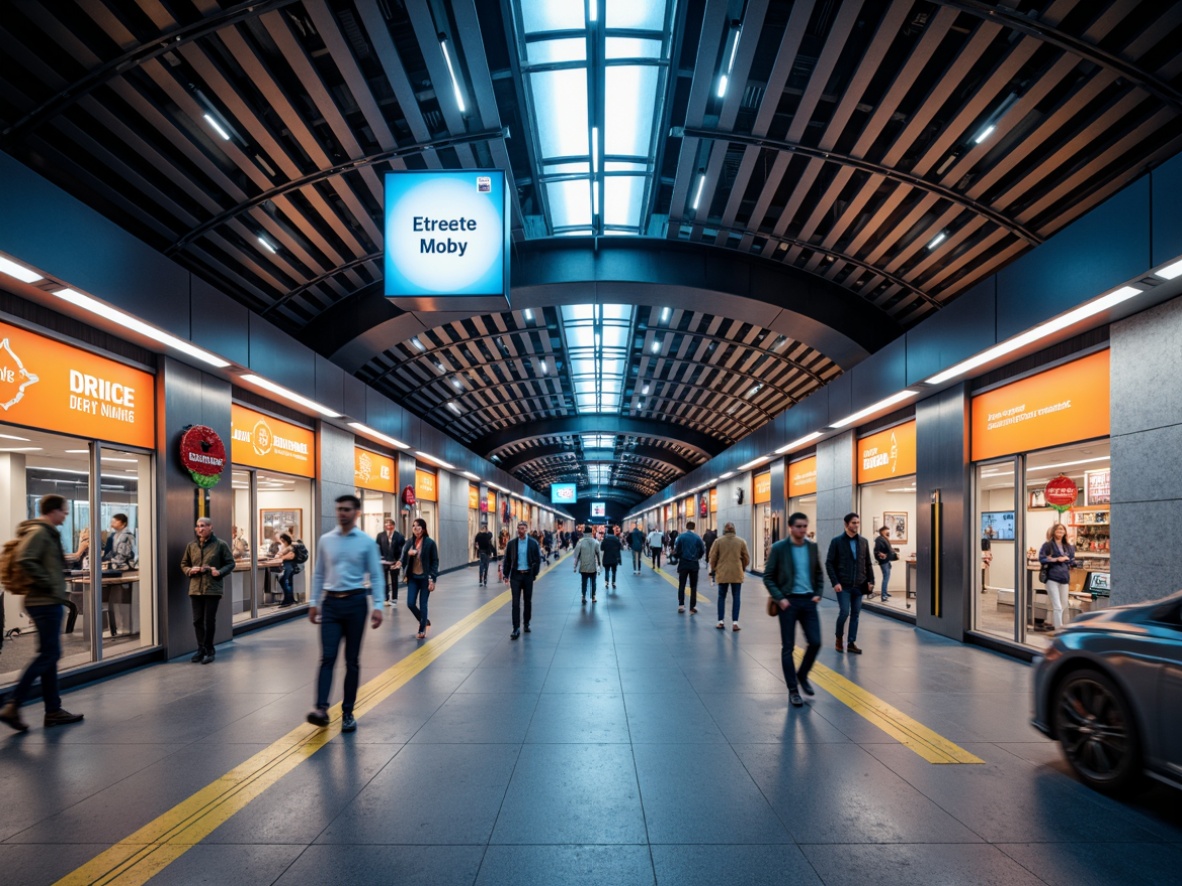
<point x="885" y="566"/>
<point x="482" y="576"/>
<point x="417" y="596"/>
<point x="285" y="582"/>
<point x="801" y="609"/>
<point x="734" y="587"/>
<point x="588" y="577"/>
<point x="341" y="618"/>
<point x="48" y="621"/>
<point x="850" y="601"/>
<point x="609" y="573"/>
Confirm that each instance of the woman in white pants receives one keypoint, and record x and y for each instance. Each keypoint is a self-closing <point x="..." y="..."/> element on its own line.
<point x="1058" y="556"/>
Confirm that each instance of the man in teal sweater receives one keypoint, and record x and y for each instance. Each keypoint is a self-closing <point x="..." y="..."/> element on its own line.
<point x="794" y="578"/>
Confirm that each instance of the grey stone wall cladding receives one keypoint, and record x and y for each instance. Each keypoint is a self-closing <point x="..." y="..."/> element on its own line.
<point x="336" y="475"/>
<point x="835" y="489"/>
<point x="1146" y="439"/>
<point x="452" y="533"/>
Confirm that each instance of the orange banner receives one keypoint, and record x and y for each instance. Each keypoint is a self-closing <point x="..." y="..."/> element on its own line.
<point x="260" y="441"/>
<point x="887" y="454"/>
<point x="714" y="500"/>
<point x="1062" y="405"/>
<point x="688" y="504"/>
<point x="425" y="486"/>
<point x="802" y="477"/>
<point x="48" y="385"/>
<point x="473" y="498"/>
<point x="373" y="471"/>
<point x="492" y="505"/>
<point x="762" y="485"/>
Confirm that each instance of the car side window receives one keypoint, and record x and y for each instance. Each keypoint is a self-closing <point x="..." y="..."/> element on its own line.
<point x="1169" y="614"/>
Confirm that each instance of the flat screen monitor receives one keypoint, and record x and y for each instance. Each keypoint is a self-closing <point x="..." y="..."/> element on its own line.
<point x="598" y="509"/>
<point x="1099" y="583"/>
<point x="564" y="493"/>
<point x="997" y="525"/>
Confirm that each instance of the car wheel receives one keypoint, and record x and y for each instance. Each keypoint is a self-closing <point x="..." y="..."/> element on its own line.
<point x="1097" y="732"/>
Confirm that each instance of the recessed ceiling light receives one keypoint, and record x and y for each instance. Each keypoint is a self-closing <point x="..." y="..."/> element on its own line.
<point x="937" y="240"/>
<point x="984" y="134"/>
<point x="874" y="407"/>
<point x="656" y="346"/>
<point x="807" y="438"/>
<point x="19" y="271"/>
<point x="418" y="344"/>
<point x="267" y="245"/>
<point x="377" y="435"/>
<point x="665" y="314"/>
<point x="217" y="127"/>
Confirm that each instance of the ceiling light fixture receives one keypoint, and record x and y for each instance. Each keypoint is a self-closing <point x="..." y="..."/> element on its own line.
<point x="665" y="314"/>
<point x="656" y="347"/>
<point x="593" y="10"/>
<point x="754" y="462"/>
<point x="19" y="271"/>
<point x="454" y="408"/>
<point x="267" y="245"/>
<point x="437" y="461"/>
<point x="984" y="134"/>
<point x="726" y="476"/>
<point x="455" y="81"/>
<point x="543" y="366"/>
<point x="698" y="192"/>
<point x="26" y="440"/>
<point x="937" y="240"/>
<point x="217" y="127"/>
<point x="529" y="315"/>
<point x="644" y="390"/>
<point x="469" y="475"/>
<point x="127" y="321"/>
<point x="418" y="344"/>
<point x="1169" y="272"/>
<point x="378" y="435"/>
<point x="807" y="438"/>
<point x="729" y="60"/>
<point x="1038" y="332"/>
<point x="287" y="394"/>
<point x="874" y="407"/>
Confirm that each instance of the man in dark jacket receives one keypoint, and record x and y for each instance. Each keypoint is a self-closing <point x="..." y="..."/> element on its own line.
<point x="708" y="539"/>
<point x="851" y="575"/>
<point x="485" y="552"/>
<point x="689" y="550"/>
<point x="207" y="561"/>
<point x="40" y="561"/>
<point x="390" y="544"/>
<point x="793" y="577"/>
<point x="521" y="565"/>
<point x="636" y="544"/>
<point x="612" y="551"/>
<point x="884" y="553"/>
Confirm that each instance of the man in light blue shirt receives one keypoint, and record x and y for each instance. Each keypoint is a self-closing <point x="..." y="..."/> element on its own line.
<point x="346" y="561"/>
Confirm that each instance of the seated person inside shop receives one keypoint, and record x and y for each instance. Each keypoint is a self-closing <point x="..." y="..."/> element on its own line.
<point x="118" y="556"/>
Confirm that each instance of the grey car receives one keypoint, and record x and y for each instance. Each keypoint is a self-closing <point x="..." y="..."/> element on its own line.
<point x="1109" y="690"/>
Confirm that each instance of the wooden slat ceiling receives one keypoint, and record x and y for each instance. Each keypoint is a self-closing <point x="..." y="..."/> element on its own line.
<point x="847" y="143"/>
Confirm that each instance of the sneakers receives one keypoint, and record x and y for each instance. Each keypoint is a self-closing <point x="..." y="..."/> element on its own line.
<point x="721" y="626"/>
<point x="852" y="648"/>
<point x="735" y="627"/>
<point x="10" y="715"/>
<point x="794" y="697"/>
<point x="208" y="657"/>
<point x="681" y="609"/>
<point x="693" y="611"/>
<point x="60" y="717"/>
<point x="805" y="686"/>
<point x="318" y="717"/>
<point x="839" y="646"/>
<point x="348" y="723"/>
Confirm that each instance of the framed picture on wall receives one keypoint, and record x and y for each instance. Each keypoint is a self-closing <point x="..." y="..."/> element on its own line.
<point x="273" y="521"/>
<point x="1097" y="488"/>
<point x="896" y="522"/>
<point x="1038" y="500"/>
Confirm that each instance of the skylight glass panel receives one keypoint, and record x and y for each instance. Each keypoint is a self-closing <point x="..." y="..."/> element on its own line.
<point x="587" y="402"/>
<point x="624" y="166"/>
<point x="638" y="15"/>
<point x="622" y="196"/>
<point x="548" y="52"/>
<point x="628" y="117"/>
<point x="578" y="312"/>
<point x="617" y="312"/>
<point x="572" y="168"/>
<point x="581" y="337"/>
<point x="560" y="102"/>
<point x="570" y="203"/>
<point x="552" y="15"/>
<point x="632" y="47"/>
<point x="615" y="336"/>
<point x="610" y="386"/>
<point x="582" y="367"/>
<point x="598" y="441"/>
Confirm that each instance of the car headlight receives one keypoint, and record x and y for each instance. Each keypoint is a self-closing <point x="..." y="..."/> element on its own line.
<point x="1052" y="653"/>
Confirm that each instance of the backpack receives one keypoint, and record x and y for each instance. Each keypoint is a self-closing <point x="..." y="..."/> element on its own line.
<point x="301" y="555"/>
<point x="14" y="579"/>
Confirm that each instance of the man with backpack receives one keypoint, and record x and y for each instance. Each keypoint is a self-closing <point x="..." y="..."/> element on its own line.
<point x="689" y="550"/>
<point x="33" y="566"/>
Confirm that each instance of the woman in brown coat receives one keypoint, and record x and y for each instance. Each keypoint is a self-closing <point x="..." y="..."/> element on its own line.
<point x="729" y="561"/>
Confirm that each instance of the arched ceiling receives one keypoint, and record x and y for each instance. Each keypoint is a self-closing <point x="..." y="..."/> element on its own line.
<point x="862" y="164"/>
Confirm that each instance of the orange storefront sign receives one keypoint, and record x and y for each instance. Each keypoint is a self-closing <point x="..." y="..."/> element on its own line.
<point x="260" y="441"/>
<point x="887" y="454"/>
<point x="492" y="503"/>
<point x="1062" y="405"/>
<point x="473" y="498"/>
<point x="688" y="504"/>
<point x="762" y="493"/>
<point x="425" y="486"/>
<point x="802" y="477"/>
<point x="373" y="471"/>
<point x="48" y="385"/>
<point x="714" y="500"/>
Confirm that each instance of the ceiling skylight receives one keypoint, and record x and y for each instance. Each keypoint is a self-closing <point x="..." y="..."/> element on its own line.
<point x="595" y="158"/>
<point x="598" y="339"/>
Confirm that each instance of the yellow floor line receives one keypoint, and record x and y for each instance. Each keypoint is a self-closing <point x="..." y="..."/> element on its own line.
<point x="908" y="731"/>
<point x="144" y="854"/>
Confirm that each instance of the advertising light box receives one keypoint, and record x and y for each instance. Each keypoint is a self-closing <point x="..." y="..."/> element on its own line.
<point x="598" y="509"/>
<point x="564" y="493"/>
<point x="447" y="240"/>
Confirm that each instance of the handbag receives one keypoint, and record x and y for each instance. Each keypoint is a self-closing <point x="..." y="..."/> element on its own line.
<point x="1042" y="573"/>
<point x="773" y="608"/>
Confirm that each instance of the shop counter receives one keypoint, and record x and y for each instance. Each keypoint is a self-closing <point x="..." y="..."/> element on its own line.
<point x="123" y="588"/>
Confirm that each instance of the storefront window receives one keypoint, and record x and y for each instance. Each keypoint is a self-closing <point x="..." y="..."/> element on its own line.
<point x="764" y="526"/>
<point x="886" y="504"/>
<point x="128" y="590"/>
<point x="802" y="491"/>
<point x="268" y="506"/>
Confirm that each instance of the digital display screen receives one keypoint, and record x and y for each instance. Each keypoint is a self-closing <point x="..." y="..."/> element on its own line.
<point x="564" y="493"/>
<point x="997" y="525"/>
<point x="598" y="509"/>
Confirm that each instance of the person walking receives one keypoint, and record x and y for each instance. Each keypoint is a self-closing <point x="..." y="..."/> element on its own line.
<point x="793" y="577"/>
<point x="850" y="573"/>
<point x="612" y="551"/>
<point x="390" y="544"/>
<point x="728" y="560"/>
<point x="346" y="558"/>
<point x="689" y="549"/>
<point x="586" y="562"/>
<point x="420" y="564"/>
<point x="636" y="544"/>
<point x="1058" y="555"/>
<point x="483" y="544"/>
<point x="709" y="537"/>
<point x="884" y="554"/>
<point x="522" y="563"/>
<point x="656" y="544"/>
<point x="40" y="563"/>
<point x="207" y="560"/>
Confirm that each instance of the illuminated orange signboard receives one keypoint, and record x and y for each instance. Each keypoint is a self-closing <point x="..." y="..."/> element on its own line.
<point x="373" y="471"/>
<point x="474" y="498"/>
<point x="762" y="484"/>
<point x="802" y="477"/>
<point x="1062" y="405"/>
<point x="714" y="500"/>
<point x="425" y="486"/>
<point x="887" y="454"/>
<point x="492" y="503"/>
<point x="260" y="441"/>
<point x="49" y="385"/>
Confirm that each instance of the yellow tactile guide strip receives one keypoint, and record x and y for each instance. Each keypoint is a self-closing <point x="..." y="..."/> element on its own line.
<point x="909" y="732"/>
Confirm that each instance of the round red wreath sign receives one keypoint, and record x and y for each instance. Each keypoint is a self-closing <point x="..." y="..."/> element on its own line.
<point x="203" y="455"/>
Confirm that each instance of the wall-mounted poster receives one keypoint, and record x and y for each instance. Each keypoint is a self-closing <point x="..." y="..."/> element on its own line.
<point x="896" y="522"/>
<point x="1097" y="488"/>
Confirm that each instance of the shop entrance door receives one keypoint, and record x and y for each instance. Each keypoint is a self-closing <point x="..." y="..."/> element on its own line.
<point x="1002" y="591"/>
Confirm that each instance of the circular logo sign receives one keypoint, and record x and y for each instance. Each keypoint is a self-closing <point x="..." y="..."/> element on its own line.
<point x="261" y="438"/>
<point x="408" y="495"/>
<point x="1061" y="492"/>
<point x="203" y="455"/>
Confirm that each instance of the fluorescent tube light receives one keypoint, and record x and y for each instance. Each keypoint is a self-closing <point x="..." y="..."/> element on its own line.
<point x="1038" y="332"/>
<point x="437" y="461"/>
<point x="807" y="438"/>
<point x="451" y="404"/>
<point x="135" y="325"/>
<point x="1169" y="272"/>
<point x="528" y="314"/>
<point x="754" y="462"/>
<point x="469" y="475"/>
<point x="21" y="449"/>
<point x="217" y="127"/>
<point x="542" y="363"/>
<point x="595" y="150"/>
<point x="698" y="192"/>
<point x="726" y="476"/>
<point x="19" y="271"/>
<point x="937" y="240"/>
<point x="377" y="435"/>
<point x="644" y="390"/>
<point x="874" y="407"/>
<point x="984" y="134"/>
<point x="26" y="440"/>
<point x="286" y="394"/>
<point x="665" y="314"/>
<point x="455" y="81"/>
<point x="729" y="61"/>
<point x="267" y="245"/>
<point x="656" y="347"/>
<point x="418" y="344"/>
<point x="593" y="11"/>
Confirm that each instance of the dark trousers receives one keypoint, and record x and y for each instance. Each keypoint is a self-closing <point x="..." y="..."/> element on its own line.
<point x="801" y="609"/>
<point x="692" y="578"/>
<point x="116" y="596"/>
<point x="522" y="586"/>
<point x="588" y="577"/>
<point x="48" y="621"/>
<point x="285" y="583"/>
<point x="656" y="555"/>
<point x="735" y="588"/>
<point x="850" y="603"/>
<point x="417" y="596"/>
<point x="205" y="619"/>
<point x="484" y="559"/>
<point x="609" y="573"/>
<point x="341" y="618"/>
<point x="392" y="582"/>
<point x="637" y="559"/>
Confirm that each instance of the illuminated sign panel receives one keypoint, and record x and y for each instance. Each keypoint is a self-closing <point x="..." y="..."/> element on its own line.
<point x="447" y="240"/>
<point x="598" y="509"/>
<point x="373" y="471"/>
<point x="261" y="441"/>
<point x="564" y="493"/>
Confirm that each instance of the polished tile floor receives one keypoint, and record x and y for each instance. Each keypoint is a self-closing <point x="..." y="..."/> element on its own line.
<point x="618" y="743"/>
